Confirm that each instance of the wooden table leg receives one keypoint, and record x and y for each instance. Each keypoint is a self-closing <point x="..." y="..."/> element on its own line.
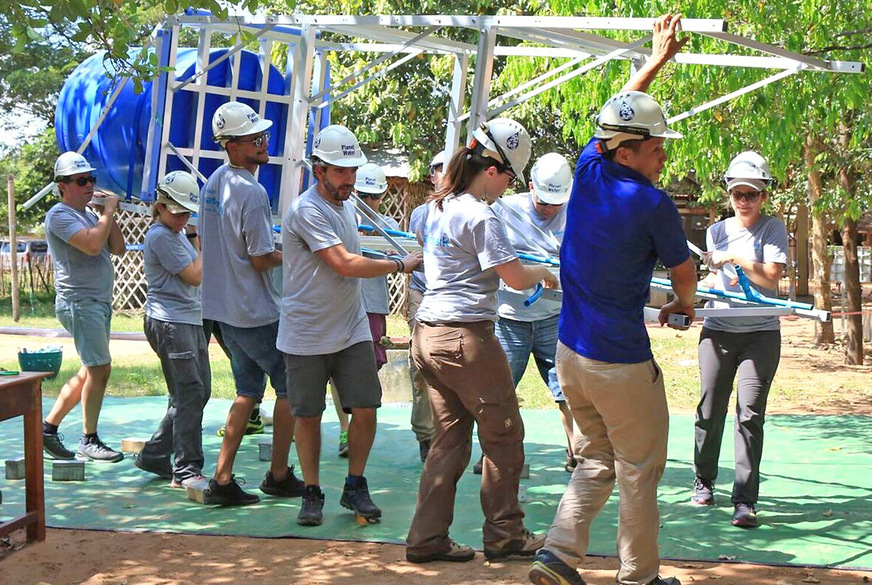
<point x="35" y="488"/>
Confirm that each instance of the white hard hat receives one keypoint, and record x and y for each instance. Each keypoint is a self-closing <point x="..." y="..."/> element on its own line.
<point x="506" y="141"/>
<point x="371" y="179"/>
<point x="438" y="160"/>
<point x="748" y="168"/>
<point x="631" y="115"/>
<point x="236" y="119"/>
<point x="71" y="163"/>
<point x="552" y="179"/>
<point x="337" y="145"/>
<point x="179" y="191"/>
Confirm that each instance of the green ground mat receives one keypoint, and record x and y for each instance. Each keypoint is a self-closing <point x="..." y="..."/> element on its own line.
<point x="815" y="507"/>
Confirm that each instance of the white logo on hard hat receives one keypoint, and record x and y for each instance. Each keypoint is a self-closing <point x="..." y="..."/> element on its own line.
<point x="626" y="113"/>
<point x="81" y="164"/>
<point x="513" y="141"/>
<point x="348" y="150"/>
<point x="253" y="117"/>
<point x="220" y="123"/>
<point x="169" y="179"/>
<point x="370" y="181"/>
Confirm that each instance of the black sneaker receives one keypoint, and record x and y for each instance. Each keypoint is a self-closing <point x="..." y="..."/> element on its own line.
<point x="547" y="569"/>
<point x="703" y="492"/>
<point x="289" y="487"/>
<point x="230" y="494"/>
<point x="745" y="516"/>
<point x="424" y="449"/>
<point x="94" y="449"/>
<point x="164" y="471"/>
<point x="666" y="581"/>
<point x="358" y="499"/>
<point x="52" y="444"/>
<point x="312" y="510"/>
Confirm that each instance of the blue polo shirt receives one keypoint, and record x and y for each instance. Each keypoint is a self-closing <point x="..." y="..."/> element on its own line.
<point x="617" y="225"/>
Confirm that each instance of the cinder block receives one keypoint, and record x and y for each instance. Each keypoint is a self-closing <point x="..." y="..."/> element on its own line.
<point x="522" y="494"/>
<point x="133" y="445"/>
<point x="15" y="468"/>
<point x="195" y="490"/>
<point x="525" y="471"/>
<point x="68" y="471"/>
<point x="266" y="413"/>
<point x="264" y="451"/>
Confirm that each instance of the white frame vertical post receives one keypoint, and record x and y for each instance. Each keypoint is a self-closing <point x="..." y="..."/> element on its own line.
<point x="456" y="104"/>
<point x="484" y="68"/>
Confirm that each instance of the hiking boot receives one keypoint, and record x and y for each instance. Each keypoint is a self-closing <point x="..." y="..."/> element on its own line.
<point x="52" y="444"/>
<point x="525" y="546"/>
<point x="230" y="494"/>
<point x="343" y="443"/>
<point x="188" y="481"/>
<point x="456" y="553"/>
<point x="745" y="516"/>
<point x="476" y="469"/>
<point x="571" y="462"/>
<point x="289" y="487"/>
<point x="424" y="449"/>
<point x="164" y="471"/>
<point x="312" y="510"/>
<point x="666" y="581"/>
<point x="703" y="492"/>
<point x="94" y="449"/>
<point x="357" y="499"/>
<point x="547" y="569"/>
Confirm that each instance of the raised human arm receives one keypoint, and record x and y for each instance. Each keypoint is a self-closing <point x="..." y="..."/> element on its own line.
<point x="91" y="241"/>
<point x="665" y="44"/>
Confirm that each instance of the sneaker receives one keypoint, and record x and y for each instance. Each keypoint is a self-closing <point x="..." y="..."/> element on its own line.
<point x="254" y="427"/>
<point x="343" y="443"/>
<point x="52" y="444"/>
<point x="547" y="569"/>
<point x="525" y="546"/>
<point x="312" y="510"/>
<point x="456" y="553"/>
<point x="289" y="487"/>
<point x="188" y="481"/>
<point x="476" y="469"/>
<point x="230" y="494"/>
<point x="424" y="449"/>
<point x="96" y="450"/>
<point x="703" y="492"/>
<point x="358" y="499"/>
<point x="666" y="581"/>
<point x="162" y="471"/>
<point x="745" y="516"/>
<point x="571" y="463"/>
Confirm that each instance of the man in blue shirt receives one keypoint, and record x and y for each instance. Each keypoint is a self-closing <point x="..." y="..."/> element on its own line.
<point x="618" y="225"/>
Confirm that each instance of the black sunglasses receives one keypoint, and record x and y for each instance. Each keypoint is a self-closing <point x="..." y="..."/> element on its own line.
<point x="750" y="196"/>
<point x="81" y="181"/>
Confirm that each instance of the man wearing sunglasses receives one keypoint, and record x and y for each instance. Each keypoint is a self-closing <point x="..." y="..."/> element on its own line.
<point x="80" y="241"/>
<point x="241" y="299"/>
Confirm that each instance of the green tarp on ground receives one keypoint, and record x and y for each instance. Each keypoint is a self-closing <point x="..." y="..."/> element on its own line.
<point x="815" y="506"/>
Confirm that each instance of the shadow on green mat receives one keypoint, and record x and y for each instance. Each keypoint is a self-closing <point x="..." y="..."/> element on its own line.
<point x="814" y="507"/>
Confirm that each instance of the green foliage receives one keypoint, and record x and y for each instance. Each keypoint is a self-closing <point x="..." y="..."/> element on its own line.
<point x="32" y="165"/>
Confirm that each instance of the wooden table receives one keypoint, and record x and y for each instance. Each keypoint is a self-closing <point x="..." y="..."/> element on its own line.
<point x="22" y="395"/>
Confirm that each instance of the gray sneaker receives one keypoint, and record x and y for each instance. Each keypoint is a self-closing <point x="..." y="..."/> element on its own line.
<point x="95" y="450"/>
<point x="52" y="444"/>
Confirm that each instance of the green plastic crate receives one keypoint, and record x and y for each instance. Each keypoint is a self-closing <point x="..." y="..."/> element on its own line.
<point x="41" y="361"/>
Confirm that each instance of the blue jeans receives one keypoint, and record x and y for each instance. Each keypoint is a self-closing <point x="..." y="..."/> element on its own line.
<point x="521" y="338"/>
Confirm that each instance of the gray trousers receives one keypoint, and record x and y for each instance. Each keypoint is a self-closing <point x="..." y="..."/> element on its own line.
<point x="184" y="359"/>
<point x="754" y="357"/>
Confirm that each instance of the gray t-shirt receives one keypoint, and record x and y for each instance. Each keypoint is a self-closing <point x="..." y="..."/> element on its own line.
<point x="169" y="298"/>
<point x="765" y="241"/>
<point x="417" y="281"/>
<point x="236" y="223"/>
<point x="462" y="243"/>
<point x="77" y="275"/>
<point x="375" y="290"/>
<point x="321" y="311"/>
<point x="511" y="306"/>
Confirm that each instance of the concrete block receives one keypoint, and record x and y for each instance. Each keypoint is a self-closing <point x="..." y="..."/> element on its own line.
<point x="522" y="494"/>
<point x="133" y="445"/>
<point x="68" y="471"/>
<point x="266" y="413"/>
<point x="264" y="450"/>
<point x="394" y="376"/>
<point x="15" y="468"/>
<point x="195" y="490"/>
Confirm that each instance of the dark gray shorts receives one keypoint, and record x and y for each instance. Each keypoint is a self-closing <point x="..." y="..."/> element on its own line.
<point x="352" y="370"/>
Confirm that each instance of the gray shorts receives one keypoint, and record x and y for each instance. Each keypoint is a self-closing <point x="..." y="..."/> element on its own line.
<point x="89" y="322"/>
<point x="253" y="355"/>
<point x="352" y="370"/>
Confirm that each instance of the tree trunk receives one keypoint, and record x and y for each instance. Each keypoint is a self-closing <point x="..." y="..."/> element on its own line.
<point x="852" y="288"/>
<point x="821" y="259"/>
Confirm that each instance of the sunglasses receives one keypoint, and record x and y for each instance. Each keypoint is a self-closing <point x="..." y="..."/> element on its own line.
<point x="750" y="196"/>
<point x="81" y="181"/>
<point x="258" y="141"/>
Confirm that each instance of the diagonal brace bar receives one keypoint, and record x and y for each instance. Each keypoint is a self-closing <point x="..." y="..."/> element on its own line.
<point x="323" y="102"/>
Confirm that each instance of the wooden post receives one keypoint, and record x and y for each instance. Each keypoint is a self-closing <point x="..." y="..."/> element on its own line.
<point x="802" y="249"/>
<point x="13" y="248"/>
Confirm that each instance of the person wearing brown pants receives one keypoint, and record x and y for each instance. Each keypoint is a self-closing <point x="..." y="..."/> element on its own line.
<point x="467" y="251"/>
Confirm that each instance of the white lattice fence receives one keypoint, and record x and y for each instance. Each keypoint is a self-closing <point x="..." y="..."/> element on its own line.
<point x="399" y="201"/>
<point x="130" y="285"/>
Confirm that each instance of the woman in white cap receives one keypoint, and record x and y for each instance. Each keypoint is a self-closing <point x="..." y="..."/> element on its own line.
<point x="466" y="253"/>
<point x="747" y="346"/>
<point x="174" y="329"/>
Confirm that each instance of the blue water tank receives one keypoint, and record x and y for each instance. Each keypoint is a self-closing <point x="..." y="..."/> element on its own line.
<point x="117" y="149"/>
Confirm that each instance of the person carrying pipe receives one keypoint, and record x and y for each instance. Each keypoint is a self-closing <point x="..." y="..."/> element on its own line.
<point x="618" y="224"/>
<point x="323" y="329"/>
<point x="173" y="325"/>
<point x="240" y="298"/>
<point x="80" y="240"/>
